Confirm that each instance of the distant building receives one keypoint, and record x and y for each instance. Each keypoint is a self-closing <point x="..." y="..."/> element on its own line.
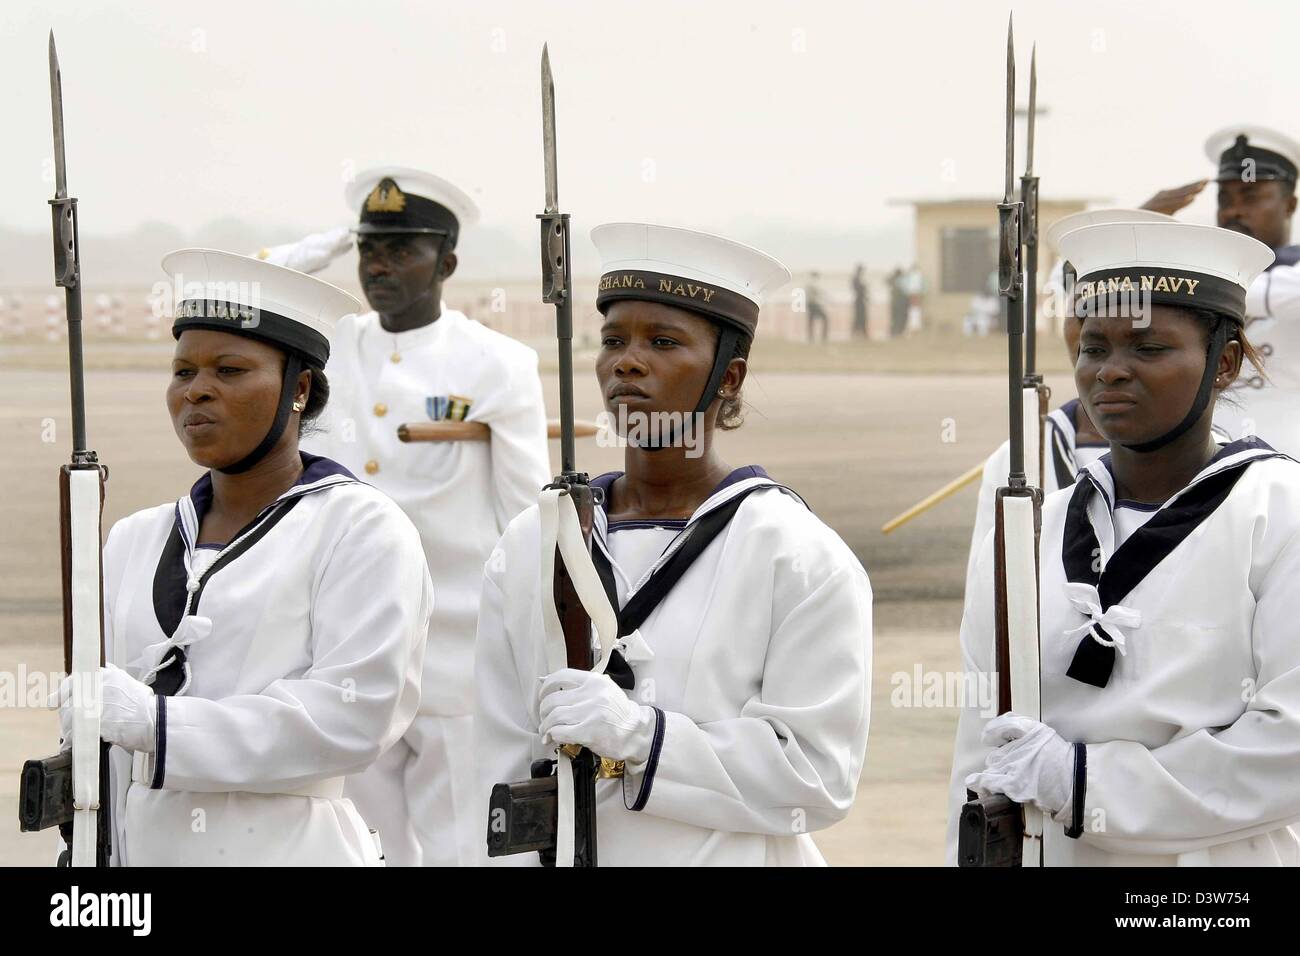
<point x="956" y="242"/>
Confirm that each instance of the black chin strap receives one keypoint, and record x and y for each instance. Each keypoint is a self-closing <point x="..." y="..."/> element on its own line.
<point x="1218" y="341"/>
<point x="292" y="369"/>
<point x="721" y="359"/>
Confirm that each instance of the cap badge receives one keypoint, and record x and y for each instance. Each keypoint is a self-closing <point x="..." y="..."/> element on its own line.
<point x="386" y="197"/>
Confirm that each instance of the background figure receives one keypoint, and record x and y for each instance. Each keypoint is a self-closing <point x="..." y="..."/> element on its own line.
<point x="413" y="359"/>
<point x="861" y="301"/>
<point x="913" y="285"/>
<point x="984" y="312"/>
<point x="816" y="311"/>
<point x="897" y="304"/>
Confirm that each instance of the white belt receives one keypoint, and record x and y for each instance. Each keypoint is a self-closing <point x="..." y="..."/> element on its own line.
<point x="142" y="766"/>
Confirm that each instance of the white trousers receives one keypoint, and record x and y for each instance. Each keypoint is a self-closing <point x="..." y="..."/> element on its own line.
<point x="420" y="795"/>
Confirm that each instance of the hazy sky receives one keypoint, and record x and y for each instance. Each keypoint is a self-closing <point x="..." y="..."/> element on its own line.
<point x="725" y="115"/>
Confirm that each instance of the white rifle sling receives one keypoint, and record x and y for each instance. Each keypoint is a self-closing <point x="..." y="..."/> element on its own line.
<point x="1032" y="430"/>
<point x="560" y="528"/>
<point x="1022" y="635"/>
<point x="84" y="491"/>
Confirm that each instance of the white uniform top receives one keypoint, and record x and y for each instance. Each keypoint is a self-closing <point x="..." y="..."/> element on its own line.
<point x="758" y="660"/>
<point x="307" y="635"/>
<point x="1269" y="409"/>
<point x="1193" y="745"/>
<point x="460" y="495"/>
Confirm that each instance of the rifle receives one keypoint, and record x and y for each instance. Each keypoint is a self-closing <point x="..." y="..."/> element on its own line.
<point x="1037" y="394"/>
<point x="71" y="790"/>
<point x="995" y="831"/>
<point x="530" y="810"/>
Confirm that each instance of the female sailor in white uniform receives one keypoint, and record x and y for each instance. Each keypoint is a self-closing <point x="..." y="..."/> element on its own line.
<point x="264" y="634"/>
<point x="1070" y="441"/>
<point x="739" y="697"/>
<point x="1170" y="729"/>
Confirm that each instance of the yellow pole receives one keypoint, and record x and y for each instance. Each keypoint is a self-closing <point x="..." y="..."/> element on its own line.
<point x="477" y="431"/>
<point x="928" y="502"/>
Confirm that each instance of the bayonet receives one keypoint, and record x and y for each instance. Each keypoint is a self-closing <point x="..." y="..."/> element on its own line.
<point x="1009" y="273"/>
<point x="555" y="266"/>
<point x="56" y="104"/>
<point x="1036" y="394"/>
<point x="548" y="133"/>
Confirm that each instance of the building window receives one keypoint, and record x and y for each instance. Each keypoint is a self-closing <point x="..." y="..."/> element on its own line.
<point x="967" y="257"/>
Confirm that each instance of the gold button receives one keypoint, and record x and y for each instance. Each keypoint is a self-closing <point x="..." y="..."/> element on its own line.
<point x="381" y="409"/>
<point x="396" y="357"/>
<point x="372" y="466"/>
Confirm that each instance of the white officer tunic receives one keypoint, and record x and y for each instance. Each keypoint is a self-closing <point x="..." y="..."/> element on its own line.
<point x="758" y="661"/>
<point x="1193" y="744"/>
<point x="304" y="639"/>
<point x="1268" y="407"/>
<point x="460" y="496"/>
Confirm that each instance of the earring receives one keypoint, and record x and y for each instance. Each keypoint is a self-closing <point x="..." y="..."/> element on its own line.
<point x="298" y="406"/>
<point x="722" y="392"/>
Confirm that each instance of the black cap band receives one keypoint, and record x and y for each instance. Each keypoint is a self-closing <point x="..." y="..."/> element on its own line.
<point x="1109" y="292"/>
<point x="1129" y="293"/>
<point x="1235" y="165"/>
<point x="269" y="327"/>
<point x="711" y="301"/>
<point x="388" y="210"/>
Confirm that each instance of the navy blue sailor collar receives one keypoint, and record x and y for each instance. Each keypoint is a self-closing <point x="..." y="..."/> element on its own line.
<point x="1284" y="256"/>
<point x="318" y="473"/>
<point x="1231" y="455"/>
<point x="739" y="482"/>
<point x="1061" y="438"/>
<point x="1100" y="575"/>
<point x="176" y="591"/>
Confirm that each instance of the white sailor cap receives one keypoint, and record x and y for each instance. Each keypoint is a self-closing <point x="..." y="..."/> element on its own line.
<point x="1253" y="153"/>
<point x="716" y="277"/>
<point x="1095" y="217"/>
<point x="246" y="296"/>
<point x="1170" y="263"/>
<point x="398" y="200"/>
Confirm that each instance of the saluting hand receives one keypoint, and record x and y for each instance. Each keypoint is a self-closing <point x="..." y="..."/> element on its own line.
<point x="1031" y="763"/>
<point x="127" y="708"/>
<point x="1169" y="201"/>
<point x="589" y="709"/>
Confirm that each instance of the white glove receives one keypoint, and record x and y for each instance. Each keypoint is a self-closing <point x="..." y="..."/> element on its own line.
<point x="127" y="709"/>
<point x="1032" y="763"/>
<point x="589" y="709"/>
<point x="312" y="253"/>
